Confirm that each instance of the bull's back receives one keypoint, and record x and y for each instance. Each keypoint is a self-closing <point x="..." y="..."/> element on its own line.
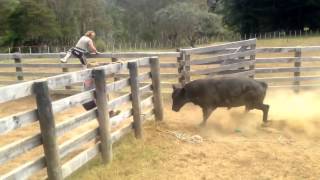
<point x="226" y="92"/>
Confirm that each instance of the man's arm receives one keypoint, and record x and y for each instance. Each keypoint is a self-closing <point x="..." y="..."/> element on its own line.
<point x="92" y="47"/>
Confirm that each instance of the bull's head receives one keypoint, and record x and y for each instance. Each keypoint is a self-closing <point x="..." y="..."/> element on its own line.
<point x="179" y="98"/>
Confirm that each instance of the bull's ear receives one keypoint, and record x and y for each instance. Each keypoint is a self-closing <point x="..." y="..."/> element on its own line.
<point x="175" y="86"/>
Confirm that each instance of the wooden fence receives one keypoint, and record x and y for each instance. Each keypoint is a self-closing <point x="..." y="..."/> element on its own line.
<point x="16" y="68"/>
<point x="204" y="61"/>
<point x="273" y="65"/>
<point x="294" y="67"/>
<point x="144" y="102"/>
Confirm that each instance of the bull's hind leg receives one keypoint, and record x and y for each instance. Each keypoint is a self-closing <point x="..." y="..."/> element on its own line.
<point x="265" y="110"/>
<point x="206" y="113"/>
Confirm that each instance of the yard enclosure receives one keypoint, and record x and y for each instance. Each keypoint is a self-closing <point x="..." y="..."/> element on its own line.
<point x="143" y="100"/>
<point x="293" y="67"/>
<point x="139" y="104"/>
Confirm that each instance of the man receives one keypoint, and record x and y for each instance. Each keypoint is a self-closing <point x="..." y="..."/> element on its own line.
<point x="84" y="47"/>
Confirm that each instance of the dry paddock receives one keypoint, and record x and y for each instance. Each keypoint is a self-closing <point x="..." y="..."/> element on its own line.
<point x="235" y="145"/>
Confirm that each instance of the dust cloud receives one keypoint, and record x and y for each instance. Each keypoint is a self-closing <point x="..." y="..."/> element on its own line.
<point x="290" y="112"/>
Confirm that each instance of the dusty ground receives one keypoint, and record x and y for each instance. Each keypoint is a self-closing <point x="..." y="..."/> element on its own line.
<point x="235" y="145"/>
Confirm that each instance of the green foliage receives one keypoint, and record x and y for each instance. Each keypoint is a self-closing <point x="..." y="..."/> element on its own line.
<point x="252" y="16"/>
<point x="36" y="22"/>
<point x="101" y="45"/>
<point x="32" y="21"/>
<point x="187" y="22"/>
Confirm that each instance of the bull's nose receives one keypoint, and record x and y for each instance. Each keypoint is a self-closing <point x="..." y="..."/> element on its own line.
<point x="175" y="109"/>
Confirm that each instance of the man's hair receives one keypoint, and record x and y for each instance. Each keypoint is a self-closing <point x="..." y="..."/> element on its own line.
<point x="89" y="33"/>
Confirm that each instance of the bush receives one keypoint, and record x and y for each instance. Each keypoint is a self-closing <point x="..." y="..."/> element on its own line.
<point x="101" y="45"/>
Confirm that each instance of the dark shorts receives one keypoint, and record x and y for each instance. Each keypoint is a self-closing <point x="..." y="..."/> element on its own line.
<point x="81" y="54"/>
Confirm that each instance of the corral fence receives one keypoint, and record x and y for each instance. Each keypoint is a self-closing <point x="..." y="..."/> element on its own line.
<point x="138" y="95"/>
<point x="292" y="67"/>
<point x="164" y="43"/>
<point x="141" y="103"/>
<point x="279" y="66"/>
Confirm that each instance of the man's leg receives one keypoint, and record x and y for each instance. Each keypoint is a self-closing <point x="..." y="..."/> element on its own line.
<point x="65" y="59"/>
<point x="83" y="60"/>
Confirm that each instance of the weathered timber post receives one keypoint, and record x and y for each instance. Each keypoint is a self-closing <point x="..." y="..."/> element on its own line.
<point x="135" y="98"/>
<point x="17" y="61"/>
<point x="187" y="66"/>
<point x="181" y="76"/>
<point x="114" y="60"/>
<point x="297" y="73"/>
<point x="155" y="76"/>
<point x="48" y="131"/>
<point x="253" y="58"/>
<point x="103" y="116"/>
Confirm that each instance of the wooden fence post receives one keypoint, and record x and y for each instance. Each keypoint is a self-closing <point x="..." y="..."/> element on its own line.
<point x="114" y="60"/>
<point x="180" y="63"/>
<point x="252" y="58"/>
<point x="135" y="97"/>
<point x="297" y="65"/>
<point x="187" y="66"/>
<point x="155" y="75"/>
<point x="17" y="61"/>
<point x="103" y="116"/>
<point x="48" y="131"/>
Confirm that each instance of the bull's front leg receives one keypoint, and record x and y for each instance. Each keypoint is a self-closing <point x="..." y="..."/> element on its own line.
<point x="206" y="112"/>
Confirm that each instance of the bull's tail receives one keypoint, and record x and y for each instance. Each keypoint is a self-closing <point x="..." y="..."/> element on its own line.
<point x="264" y="85"/>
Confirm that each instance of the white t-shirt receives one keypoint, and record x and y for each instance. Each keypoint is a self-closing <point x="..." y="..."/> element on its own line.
<point x="83" y="43"/>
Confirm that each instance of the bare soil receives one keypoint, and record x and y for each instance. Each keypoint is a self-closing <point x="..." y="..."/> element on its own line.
<point x="235" y="145"/>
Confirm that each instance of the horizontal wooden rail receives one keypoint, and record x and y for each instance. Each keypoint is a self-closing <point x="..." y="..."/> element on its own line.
<point x="18" y="120"/>
<point x="287" y="49"/>
<point x="222" y="68"/>
<point x="101" y="55"/>
<point x="60" y="65"/>
<point x="290" y="79"/>
<point x="287" y="69"/>
<point x="219" y="59"/>
<point x="34" y="74"/>
<point x="245" y="73"/>
<point x="219" y="47"/>
<point x="287" y="59"/>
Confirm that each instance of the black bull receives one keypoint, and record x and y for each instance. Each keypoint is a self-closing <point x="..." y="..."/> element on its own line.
<point x="210" y="94"/>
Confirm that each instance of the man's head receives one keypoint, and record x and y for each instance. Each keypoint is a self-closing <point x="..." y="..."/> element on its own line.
<point x="90" y="34"/>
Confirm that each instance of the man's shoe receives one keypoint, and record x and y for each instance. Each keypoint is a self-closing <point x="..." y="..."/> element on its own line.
<point x="63" y="60"/>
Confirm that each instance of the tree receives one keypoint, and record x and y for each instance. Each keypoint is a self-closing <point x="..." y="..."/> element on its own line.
<point x="252" y="16"/>
<point x="32" y="22"/>
<point x="187" y="22"/>
<point x="7" y="7"/>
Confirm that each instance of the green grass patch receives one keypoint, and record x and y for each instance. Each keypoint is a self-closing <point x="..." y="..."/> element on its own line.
<point x="132" y="159"/>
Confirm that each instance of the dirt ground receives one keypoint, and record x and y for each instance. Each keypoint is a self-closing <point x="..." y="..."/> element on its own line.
<point x="235" y="145"/>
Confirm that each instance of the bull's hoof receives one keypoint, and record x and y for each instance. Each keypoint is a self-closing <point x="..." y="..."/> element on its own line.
<point x="266" y="124"/>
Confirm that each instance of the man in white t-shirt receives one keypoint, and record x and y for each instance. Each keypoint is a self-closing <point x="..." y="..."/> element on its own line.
<point x="84" y="47"/>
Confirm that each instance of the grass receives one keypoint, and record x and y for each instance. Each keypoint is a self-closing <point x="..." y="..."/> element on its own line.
<point x="132" y="159"/>
<point x="303" y="41"/>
